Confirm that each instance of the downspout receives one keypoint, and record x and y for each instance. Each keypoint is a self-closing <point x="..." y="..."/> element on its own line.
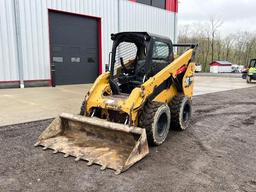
<point x="18" y="41"/>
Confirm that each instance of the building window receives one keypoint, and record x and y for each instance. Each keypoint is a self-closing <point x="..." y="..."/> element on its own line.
<point x="158" y="3"/>
<point x="146" y="2"/>
<point x="154" y="3"/>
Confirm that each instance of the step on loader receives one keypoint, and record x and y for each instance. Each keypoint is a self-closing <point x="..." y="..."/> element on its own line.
<point x="146" y="92"/>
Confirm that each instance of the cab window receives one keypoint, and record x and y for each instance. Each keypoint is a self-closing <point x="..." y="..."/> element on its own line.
<point x="126" y="52"/>
<point x="253" y="63"/>
<point x="160" y="51"/>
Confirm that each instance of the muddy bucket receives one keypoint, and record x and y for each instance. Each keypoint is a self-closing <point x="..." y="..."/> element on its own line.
<point x="111" y="145"/>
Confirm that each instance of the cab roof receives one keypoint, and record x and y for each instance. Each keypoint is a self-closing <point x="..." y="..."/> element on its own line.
<point x="139" y="35"/>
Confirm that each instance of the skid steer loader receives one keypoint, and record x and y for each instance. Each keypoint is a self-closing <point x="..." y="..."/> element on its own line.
<point x="145" y="93"/>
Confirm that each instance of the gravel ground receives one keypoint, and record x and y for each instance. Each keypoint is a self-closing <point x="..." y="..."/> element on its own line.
<point x="216" y="154"/>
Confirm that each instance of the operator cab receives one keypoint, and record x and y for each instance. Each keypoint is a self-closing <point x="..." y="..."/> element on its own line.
<point x="137" y="56"/>
<point x="252" y="63"/>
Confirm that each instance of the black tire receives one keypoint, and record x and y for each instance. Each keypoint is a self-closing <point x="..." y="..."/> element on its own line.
<point x="155" y="118"/>
<point x="181" y="111"/>
<point x="248" y="79"/>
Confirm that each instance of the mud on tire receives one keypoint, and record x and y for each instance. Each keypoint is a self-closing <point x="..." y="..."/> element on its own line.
<point x="155" y="118"/>
<point x="181" y="110"/>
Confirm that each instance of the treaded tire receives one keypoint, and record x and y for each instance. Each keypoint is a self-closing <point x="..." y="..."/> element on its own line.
<point x="181" y="110"/>
<point x="156" y="119"/>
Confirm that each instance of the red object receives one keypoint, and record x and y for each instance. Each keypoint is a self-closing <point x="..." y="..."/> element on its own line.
<point x="172" y="5"/>
<point x="14" y="81"/>
<point x="99" y="37"/>
<point x="220" y="63"/>
<point x="100" y="45"/>
<point x="181" y="70"/>
<point x="133" y="0"/>
<point x="34" y="80"/>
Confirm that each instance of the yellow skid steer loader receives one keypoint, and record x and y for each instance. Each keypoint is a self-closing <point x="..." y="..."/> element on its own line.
<point x="145" y="93"/>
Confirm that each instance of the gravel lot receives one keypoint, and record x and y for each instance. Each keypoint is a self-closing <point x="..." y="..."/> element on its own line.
<point x="218" y="153"/>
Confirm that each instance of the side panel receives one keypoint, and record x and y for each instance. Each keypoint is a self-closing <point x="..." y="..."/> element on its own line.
<point x="167" y="95"/>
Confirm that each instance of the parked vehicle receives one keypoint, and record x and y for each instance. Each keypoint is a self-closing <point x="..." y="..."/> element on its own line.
<point x="237" y="68"/>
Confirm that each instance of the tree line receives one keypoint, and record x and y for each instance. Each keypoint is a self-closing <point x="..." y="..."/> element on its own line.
<point x="237" y="48"/>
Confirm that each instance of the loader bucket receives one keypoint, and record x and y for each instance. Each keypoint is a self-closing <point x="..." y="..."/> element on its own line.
<point x="111" y="145"/>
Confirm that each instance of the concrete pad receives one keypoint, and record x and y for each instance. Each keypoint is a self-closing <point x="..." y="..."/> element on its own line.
<point x="31" y="104"/>
<point x="212" y="84"/>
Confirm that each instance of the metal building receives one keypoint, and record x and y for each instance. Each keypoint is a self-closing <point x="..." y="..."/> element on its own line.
<point x="71" y="37"/>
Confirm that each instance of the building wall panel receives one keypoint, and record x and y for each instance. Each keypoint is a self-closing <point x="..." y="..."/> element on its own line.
<point x="8" y="49"/>
<point x="140" y="17"/>
<point x="34" y="29"/>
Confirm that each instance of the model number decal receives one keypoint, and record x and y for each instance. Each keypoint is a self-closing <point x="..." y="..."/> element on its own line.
<point x="189" y="81"/>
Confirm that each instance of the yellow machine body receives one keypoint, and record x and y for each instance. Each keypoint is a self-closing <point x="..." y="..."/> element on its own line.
<point x="112" y="144"/>
<point x="131" y="105"/>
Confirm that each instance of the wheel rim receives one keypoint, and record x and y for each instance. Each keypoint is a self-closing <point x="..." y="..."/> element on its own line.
<point x="186" y="113"/>
<point x="162" y="124"/>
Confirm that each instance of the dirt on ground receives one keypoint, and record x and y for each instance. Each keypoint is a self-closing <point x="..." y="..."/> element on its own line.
<point x="217" y="153"/>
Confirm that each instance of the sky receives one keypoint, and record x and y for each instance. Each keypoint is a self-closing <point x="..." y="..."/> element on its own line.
<point x="236" y="15"/>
